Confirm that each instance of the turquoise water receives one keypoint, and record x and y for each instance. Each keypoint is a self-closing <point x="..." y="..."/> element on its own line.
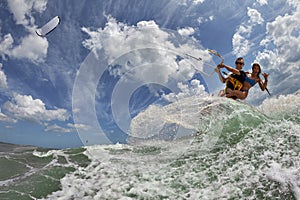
<point x="244" y="153"/>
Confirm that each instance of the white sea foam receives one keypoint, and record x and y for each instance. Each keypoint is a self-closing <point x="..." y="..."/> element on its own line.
<point x="187" y="116"/>
<point x="277" y="107"/>
<point x="286" y="176"/>
<point x="258" y="158"/>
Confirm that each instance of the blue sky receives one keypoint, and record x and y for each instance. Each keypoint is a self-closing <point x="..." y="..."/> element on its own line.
<point x="87" y="75"/>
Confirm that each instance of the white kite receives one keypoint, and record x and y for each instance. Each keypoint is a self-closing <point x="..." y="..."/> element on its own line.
<point x="47" y="28"/>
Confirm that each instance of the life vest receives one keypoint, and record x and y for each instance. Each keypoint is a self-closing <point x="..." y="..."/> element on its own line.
<point x="234" y="84"/>
<point x="235" y="81"/>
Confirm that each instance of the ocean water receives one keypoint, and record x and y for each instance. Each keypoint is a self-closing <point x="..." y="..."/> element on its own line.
<point x="195" y="148"/>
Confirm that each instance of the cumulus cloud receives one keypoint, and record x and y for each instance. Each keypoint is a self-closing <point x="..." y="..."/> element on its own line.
<point x="3" y="80"/>
<point x="240" y="40"/>
<point x="5" y="118"/>
<point x="70" y="128"/>
<point x="281" y="55"/>
<point x="241" y="45"/>
<point x="22" y="9"/>
<point x="57" y="129"/>
<point x="198" y="1"/>
<point x="32" y="47"/>
<point x="145" y="34"/>
<point x="293" y="3"/>
<point x="285" y="34"/>
<point x="262" y="2"/>
<point x="6" y="44"/>
<point x="202" y="19"/>
<point x="186" y="31"/>
<point x="26" y="108"/>
<point x="255" y="16"/>
<point x="270" y="60"/>
<point x="195" y="89"/>
<point x="145" y="54"/>
<point x="187" y="2"/>
<point x="79" y="126"/>
<point x="146" y="46"/>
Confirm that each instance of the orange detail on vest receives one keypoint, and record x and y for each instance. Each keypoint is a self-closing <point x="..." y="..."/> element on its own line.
<point x="237" y="85"/>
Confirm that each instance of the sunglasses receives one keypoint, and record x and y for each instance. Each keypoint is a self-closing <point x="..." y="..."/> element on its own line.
<point x="241" y="63"/>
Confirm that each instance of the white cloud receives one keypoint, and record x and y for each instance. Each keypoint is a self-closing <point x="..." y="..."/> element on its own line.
<point x="265" y="42"/>
<point x="270" y="60"/>
<point x="187" y="2"/>
<point x="70" y="128"/>
<point x="145" y="53"/>
<point x="32" y="47"/>
<point x="240" y="44"/>
<point x="293" y="3"/>
<point x="79" y="126"/>
<point x="281" y="56"/>
<point x="255" y="16"/>
<point x="22" y="9"/>
<point x="39" y="5"/>
<point x="27" y="108"/>
<point x="57" y="129"/>
<point x="6" y="118"/>
<point x="145" y="45"/>
<point x="195" y="89"/>
<point x="6" y="45"/>
<point x="285" y="34"/>
<point x="127" y="37"/>
<point x="262" y="2"/>
<point x="186" y="31"/>
<point x="198" y="1"/>
<point x="3" y="80"/>
<point x="241" y="39"/>
<point x="202" y="19"/>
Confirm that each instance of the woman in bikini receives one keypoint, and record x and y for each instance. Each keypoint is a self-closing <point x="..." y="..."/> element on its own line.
<point x="250" y="80"/>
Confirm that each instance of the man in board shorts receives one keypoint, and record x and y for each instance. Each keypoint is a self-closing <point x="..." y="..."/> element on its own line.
<point x="233" y="81"/>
